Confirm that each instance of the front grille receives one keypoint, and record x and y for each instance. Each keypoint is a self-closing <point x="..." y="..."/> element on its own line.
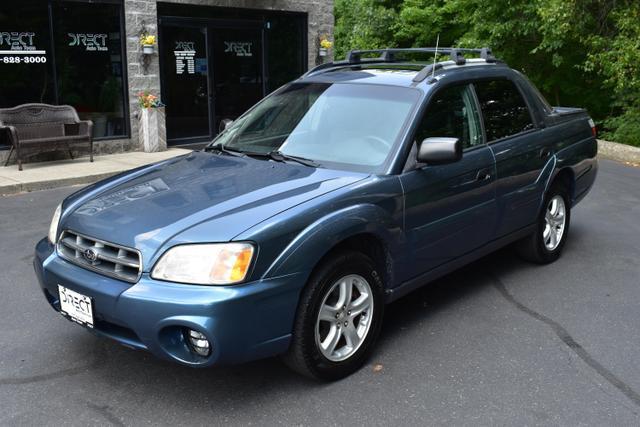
<point x="102" y="257"/>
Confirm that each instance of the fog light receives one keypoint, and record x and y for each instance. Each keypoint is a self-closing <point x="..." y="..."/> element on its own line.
<point x="198" y="343"/>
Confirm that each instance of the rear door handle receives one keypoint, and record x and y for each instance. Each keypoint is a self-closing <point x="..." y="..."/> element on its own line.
<point x="545" y="152"/>
<point x="483" y="175"/>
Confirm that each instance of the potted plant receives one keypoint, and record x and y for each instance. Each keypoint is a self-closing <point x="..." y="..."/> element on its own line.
<point x="325" y="45"/>
<point x="148" y="43"/>
<point x="152" y="122"/>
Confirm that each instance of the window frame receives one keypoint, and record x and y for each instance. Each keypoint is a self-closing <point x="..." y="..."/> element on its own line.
<point x="527" y="103"/>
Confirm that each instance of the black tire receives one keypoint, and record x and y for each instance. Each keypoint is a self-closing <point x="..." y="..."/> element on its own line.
<point x="533" y="248"/>
<point x="304" y="355"/>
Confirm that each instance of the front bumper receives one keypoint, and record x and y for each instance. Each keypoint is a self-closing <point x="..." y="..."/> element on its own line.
<point x="242" y="322"/>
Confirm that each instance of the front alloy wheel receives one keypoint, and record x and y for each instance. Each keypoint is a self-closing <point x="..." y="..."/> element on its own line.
<point x="338" y="318"/>
<point x="344" y="318"/>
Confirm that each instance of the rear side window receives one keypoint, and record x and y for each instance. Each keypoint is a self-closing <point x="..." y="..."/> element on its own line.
<point x="504" y="110"/>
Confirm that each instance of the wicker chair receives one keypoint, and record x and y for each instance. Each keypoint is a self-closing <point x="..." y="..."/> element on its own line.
<point x="39" y="128"/>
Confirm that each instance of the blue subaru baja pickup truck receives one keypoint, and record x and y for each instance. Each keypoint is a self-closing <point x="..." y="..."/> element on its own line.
<point x="337" y="194"/>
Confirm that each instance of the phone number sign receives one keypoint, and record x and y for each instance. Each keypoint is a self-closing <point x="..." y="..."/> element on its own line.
<point x="18" y="48"/>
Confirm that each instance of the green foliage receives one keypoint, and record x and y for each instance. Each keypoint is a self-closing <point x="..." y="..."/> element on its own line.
<point x="578" y="52"/>
<point x="363" y="24"/>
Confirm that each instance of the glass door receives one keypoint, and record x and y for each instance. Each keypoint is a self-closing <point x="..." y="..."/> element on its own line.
<point x="185" y="91"/>
<point x="237" y="71"/>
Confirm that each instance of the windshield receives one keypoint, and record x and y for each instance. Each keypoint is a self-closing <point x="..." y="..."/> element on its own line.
<point x="342" y="126"/>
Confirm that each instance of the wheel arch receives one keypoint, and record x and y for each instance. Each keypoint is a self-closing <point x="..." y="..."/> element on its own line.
<point x="365" y="228"/>
<point x="370" y="245"/>
<point x="566" y="177"/>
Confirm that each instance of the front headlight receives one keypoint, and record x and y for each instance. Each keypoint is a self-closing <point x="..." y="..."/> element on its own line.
<point x="53" y="228"/>
<point x="205" y="264"/>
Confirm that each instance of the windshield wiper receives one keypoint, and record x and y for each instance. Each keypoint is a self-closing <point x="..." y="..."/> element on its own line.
<point x="222" y="149"/>
<point x="276" y="155"/>
<point x="279" y="156"/>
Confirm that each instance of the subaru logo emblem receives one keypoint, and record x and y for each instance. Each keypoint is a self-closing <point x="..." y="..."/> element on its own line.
<point x="91" y="255"/>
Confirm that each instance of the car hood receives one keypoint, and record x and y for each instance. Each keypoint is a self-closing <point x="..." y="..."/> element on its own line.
<point x="201" y="197"/>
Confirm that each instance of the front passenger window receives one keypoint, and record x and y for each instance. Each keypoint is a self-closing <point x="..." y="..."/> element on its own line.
<point x="452" y="113"/>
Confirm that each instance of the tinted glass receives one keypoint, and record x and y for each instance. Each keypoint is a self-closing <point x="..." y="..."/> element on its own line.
<point x="89" y="63"/>
<point x="338" y="125"/>
<point x="237" y="71"/>
<point x="286" y="60"/>
<point x="186" y="81"/>
<point x="504" y="110"/>
<point x="25" y="53"/>
<point x="452" y="113"/>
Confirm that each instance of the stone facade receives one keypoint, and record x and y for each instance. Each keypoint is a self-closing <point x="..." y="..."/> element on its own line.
<point x="143" y="71"/>
<point x="143" y="13"/>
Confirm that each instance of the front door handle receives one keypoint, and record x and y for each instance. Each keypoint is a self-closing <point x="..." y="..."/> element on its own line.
<point x="482" y="176"/>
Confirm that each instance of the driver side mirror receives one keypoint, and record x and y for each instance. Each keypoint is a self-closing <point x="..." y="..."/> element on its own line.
<point x="224" y="124"/>
<point x="439" y="150"/>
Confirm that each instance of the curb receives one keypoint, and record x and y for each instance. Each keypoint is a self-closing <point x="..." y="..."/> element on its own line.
<point x="18" y="187"/>
<point x="619" y="152"/>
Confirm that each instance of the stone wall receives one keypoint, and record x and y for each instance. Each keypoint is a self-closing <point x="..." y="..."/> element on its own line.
<point x="143" y="70"/>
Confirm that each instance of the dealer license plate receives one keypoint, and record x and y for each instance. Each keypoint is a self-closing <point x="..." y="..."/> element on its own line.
<point x="76" y="306"/>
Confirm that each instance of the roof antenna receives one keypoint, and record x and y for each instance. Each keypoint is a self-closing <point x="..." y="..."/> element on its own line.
<point x="435" y="55"/>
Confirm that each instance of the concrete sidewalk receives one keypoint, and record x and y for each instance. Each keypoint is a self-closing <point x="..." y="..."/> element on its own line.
<point x="41" y="176"/>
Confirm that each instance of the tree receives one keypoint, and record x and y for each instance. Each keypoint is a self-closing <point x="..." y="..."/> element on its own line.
<point x="578" y="52"/>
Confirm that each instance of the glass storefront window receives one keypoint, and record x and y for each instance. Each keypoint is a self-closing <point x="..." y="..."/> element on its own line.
<point x="89" y="63"/>
<point x="286" y="54"/>
<point x="25" y="53"/>
<point x="65" y="52"/>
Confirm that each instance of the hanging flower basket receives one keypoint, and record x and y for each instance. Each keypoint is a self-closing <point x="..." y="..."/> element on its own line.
<point x="148" y="43"/>
<point x="325" y="45"/>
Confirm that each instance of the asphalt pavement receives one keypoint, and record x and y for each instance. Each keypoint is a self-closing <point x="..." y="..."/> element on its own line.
<point x="500" y="342"/>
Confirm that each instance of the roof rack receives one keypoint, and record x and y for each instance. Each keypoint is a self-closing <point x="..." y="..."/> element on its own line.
<point x="388" y="55"/>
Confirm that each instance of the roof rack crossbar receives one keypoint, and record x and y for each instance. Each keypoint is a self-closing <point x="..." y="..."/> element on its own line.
<point x="389" y="55"/>
<point x="354" y="56"/>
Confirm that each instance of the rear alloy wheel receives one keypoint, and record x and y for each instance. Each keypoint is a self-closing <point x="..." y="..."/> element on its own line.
<point x="545" y="244"/>
<point x="555" y="219"/>
<point x="338" y="319"/>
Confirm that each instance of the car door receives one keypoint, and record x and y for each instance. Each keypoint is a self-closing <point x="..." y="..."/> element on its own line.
<point x="449" y="208"/>
<point x="520" y="151"/>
